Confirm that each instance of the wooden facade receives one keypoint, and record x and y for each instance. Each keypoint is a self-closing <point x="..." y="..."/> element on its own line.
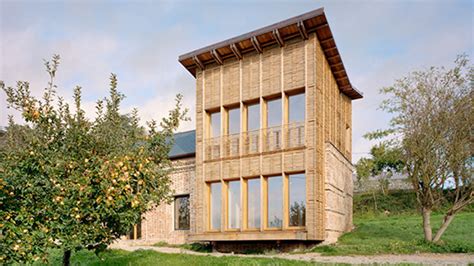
<point x="294" y="56"/>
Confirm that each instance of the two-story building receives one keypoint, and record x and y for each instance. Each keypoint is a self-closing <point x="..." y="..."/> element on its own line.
<point x="270" y="159"/>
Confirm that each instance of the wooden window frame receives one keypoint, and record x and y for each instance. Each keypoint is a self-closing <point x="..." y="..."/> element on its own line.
<point x="245" y="222"/>
<point x="174" y="211"/>
<point x="209" y="216"/>
<point x="209" y="131"/>
<point x="265" y="204"/>
<point x="287" y="192"/>
<point x="226" y="206"/>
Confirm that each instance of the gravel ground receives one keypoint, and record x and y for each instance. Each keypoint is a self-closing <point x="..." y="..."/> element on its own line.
<point x="425" y="259"/>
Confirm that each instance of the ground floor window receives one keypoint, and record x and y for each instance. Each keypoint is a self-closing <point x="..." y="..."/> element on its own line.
<point x="233" y="206"/>
<point x="181" y="212"/>
<point x="253" y="203"/>
<point x="250" y="203"/>
<point x="136" y="231"/>
<point x="297" y="199"/>
<point x="275" y="202"/>
<point x="215" y="205"/>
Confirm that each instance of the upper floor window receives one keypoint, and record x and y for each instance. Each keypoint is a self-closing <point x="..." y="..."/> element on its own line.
<point x="233" y="121"/>
<point x="296" y="108"/>
<point x="215" y="124"/>
<point x="274" y="112"/>
<point x="181" y="212"/>
<point x="253" y="117"/>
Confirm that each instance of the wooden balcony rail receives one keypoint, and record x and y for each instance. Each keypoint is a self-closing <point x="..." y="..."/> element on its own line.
<point x="213" y="148"/>
<point x="231" y="145"/>
<point x="251" y="142"/>
<point x="272" y="138"/>
<point x="294" y="135"/>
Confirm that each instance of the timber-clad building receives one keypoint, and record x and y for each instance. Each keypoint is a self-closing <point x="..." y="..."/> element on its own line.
<point x="270" y="159"/>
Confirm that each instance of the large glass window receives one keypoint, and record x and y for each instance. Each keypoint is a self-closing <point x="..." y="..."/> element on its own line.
<point x="274" y="112"/>
<point x="253" y="203"/>
<point x="296" y="107"/>
<point x="253" y="117"/>
<point x="297" y="198"/>
<point x="215" y="126"/>
<point x="181" y="212"/>
<point x="216" y="199"/>
<point x="233" y="208"/>
<point x="233" y="126"/>
<point x="275" y="202"/>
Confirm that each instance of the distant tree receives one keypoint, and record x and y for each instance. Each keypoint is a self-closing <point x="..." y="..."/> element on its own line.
<point x="67" y="182"/>
<point x="384" y="162"/>
<point x="433" y="126"/>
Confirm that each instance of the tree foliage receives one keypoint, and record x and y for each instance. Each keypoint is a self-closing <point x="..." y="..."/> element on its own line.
<point x="433" y="126"/>
<point x="69" y="182"/>
<point x="385" y="160"/>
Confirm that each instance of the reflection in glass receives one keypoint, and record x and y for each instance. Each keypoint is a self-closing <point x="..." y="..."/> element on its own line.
<point x="297" y="197"/>
<point x="274" y="113"/>
<point x="233" y="210"/>
<point x="253" y="117"/>
<point x="216" y="198"/>
<point x="275" y="202"/>
<point x="296" y="108"/>
<point x="234" y="121"/>
<point x="253" y="204"/>
<point x="181" y="212"/>
<point x="215" y="124"/>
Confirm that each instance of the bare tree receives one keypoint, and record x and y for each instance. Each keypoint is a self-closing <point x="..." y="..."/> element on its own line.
<point x="433" y="125"/>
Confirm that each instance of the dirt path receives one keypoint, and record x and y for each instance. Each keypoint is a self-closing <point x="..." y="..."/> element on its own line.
<point x="426" y="258"/>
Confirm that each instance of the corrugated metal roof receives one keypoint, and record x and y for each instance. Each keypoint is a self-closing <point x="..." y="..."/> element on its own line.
<point x="184" y="145"/>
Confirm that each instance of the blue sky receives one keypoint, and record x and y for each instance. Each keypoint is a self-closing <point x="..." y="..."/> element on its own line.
<point x="140" y="41"/>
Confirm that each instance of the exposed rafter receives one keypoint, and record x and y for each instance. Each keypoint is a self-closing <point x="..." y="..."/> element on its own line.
<point x="276" y="35"/>
<point x="339" y="71"/>
<point x="334" y="56"/>
<point x="236" y="51"/>
<point x="198" y="62"/>
<point x="302" y="30"/>
<point x="216" y="57"/>
<point x="256" y="44"/>
<point x="322" y="26"/>
<point x="330" y="49"/>
<point x="326" y="40"/>
<point x="338" y="64"/>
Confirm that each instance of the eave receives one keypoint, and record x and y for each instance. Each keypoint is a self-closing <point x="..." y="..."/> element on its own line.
<point x="277" y="33"/>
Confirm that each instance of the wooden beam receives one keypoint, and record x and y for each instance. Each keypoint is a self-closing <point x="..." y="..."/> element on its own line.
<point x="346" y="87"/>
<point x="330" y="49"/>
<point x="343" y="78"/>
<point x="302" y="30"/>
<point x="336" y="65"/>
<point x="334" y="56"/>
<point x="339" y="71"/>
<point x="236" y="51"/>
<point x="256" y="44"/>
<point x="216" y="57"/>
<point x="277" y="37"/>
<point x="198" y="62"/>
<point x="326" y="40"/>
<point x="322" y="26"/>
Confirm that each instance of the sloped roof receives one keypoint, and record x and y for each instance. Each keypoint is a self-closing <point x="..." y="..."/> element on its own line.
<point x="295" y="27"/>
<point x="184" y="145"/>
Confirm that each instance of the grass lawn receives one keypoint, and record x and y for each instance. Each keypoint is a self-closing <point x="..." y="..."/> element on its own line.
<point x="403" y="234"/>
<point x="149" y="257"/>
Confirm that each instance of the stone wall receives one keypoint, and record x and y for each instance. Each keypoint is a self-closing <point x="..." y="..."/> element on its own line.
<point x="158" y="224"/>
<point x="338" y="192"/>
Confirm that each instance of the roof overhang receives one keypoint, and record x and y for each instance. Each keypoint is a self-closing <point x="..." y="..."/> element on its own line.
<point x="295" y="27"/>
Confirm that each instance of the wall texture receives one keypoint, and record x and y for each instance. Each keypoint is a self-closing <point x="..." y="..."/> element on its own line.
<point x="339" y="192"/>
<point x="158" y="224"/>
